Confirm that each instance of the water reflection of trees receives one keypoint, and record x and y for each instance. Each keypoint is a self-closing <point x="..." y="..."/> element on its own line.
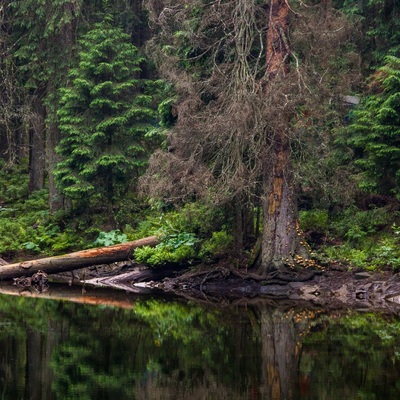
<point x="281" y="331"/>
<point x="204" y="353"/>
<point x="165" y="350"/>
<point x="356" y="355"/>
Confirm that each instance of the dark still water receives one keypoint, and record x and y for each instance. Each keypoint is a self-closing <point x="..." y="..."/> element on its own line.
<point x="155" y="348"/>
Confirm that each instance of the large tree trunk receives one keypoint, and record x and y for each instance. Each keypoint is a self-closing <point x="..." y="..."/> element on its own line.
<point x="281" y="236"/>
<point x="37" y="145"/>
<point x="79" y="259"/>
<point x="56" y="199"/>
<point x="65" y="40"/>
<point x="280" y="230"/>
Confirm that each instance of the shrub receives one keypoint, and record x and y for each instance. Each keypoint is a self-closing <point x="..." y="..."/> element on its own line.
<point x="175" y="248"/>
<point x="314" y="220"/>
<point x="219" y="243"/>
<point x="354" y="225"/>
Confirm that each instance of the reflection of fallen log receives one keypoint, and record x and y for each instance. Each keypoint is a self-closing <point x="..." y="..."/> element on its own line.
<point x="77" y="260"/>
<point x="78" y="294"/>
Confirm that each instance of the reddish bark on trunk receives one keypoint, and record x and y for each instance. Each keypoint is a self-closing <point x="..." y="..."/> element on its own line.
<point x="280" y="230"/>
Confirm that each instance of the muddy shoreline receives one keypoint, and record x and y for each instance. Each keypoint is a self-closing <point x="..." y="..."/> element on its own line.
<point x="331" y="288"/>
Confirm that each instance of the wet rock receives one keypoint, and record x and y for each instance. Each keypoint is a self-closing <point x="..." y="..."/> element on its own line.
<point x="362" y="275"/>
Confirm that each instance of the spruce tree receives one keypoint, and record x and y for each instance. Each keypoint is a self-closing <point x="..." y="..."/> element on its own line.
<point x="375" y="132"/>
<point x="104" y="116"/>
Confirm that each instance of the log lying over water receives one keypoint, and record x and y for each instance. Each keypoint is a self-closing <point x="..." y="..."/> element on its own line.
<point x="76" y="260"/>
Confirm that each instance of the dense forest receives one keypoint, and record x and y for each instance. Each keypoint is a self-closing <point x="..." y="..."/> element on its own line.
<point x="265" y="132"/>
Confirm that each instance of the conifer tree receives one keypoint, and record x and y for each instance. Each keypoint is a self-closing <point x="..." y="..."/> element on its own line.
<point x="375" y="132"/>
<point x="104" y="116"/>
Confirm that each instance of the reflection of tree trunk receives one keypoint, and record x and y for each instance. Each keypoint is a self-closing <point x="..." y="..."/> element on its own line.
<point x="280" y="356"/>
<point x="33" y="386"/>
<point x="39" y="351"/>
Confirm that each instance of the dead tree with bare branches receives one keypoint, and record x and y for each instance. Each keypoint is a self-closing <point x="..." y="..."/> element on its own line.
<point x="254" y="81"/>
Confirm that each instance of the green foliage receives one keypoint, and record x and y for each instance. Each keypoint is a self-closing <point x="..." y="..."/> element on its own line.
<point x="372" y="253"/>
<point x="219" y="243"/>
<point x="38" y="27"/>
<point x="347" y="254"/>
<point x="26" y="225"/>
<point x="174" y="248"/>
<point x="314" y="220"/>
<point x="198" y="218"/>
<point x="387" y="252"/>
<point x="181" y="232"/>
<point x="13" y="182"/>
<point x="110" y="238"/>
<point x="354" y="225"/>
<point x="375" y="132"/>
<point x="379" y="22"/>
<point x="104" y="115"/>
<point x="165" y="108"/>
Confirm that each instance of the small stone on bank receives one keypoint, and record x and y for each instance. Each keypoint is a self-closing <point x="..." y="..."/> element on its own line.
<point x="362" y="275"/>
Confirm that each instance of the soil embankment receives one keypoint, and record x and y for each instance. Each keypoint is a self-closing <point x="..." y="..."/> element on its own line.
<point x="330" y="288"/>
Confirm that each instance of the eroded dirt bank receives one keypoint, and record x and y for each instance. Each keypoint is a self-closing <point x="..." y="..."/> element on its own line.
<point x="329" y="288"/>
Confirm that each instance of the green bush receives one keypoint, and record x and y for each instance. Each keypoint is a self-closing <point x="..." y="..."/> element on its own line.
<point x="156" y="256"/>
<point x="12" y="236"/>
<point x="348" y="255"/>
<point x="175" y="248"/>
<point x="314" y="220"/>
<point x="219" y="243"/>
<point x="387" y="252"/>
<point x="197" y="218"/>
<point x="373" y="253"/>
<point x="354" y="225"/>
<point x="26" y="226"/>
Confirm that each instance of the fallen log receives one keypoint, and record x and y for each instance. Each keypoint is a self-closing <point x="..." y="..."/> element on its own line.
<point x="76" y="260"/>
<point x="3" y="262"/>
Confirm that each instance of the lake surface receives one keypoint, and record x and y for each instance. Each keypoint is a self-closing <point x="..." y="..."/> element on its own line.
<point x="143" y="347"/>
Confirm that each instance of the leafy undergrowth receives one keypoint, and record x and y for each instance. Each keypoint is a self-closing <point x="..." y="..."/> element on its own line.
<point x="368" y="239"/>
<point x="186" y="235"/>
<point x="28" y="230"/>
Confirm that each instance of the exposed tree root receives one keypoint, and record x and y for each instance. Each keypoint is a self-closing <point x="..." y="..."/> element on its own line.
<point x="201" y="279"/>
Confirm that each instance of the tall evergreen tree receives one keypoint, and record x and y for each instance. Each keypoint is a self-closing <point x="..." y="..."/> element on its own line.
<point x="104" y="117"/>
<point x="375" y="132"/>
